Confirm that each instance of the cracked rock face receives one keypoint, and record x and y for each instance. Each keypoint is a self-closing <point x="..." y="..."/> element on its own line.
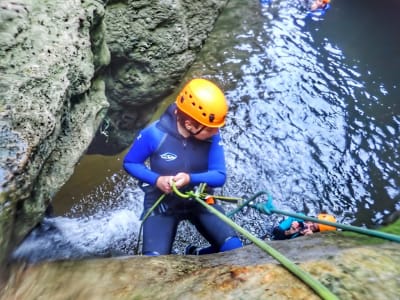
<point x="50" y="104"/>
<point x="152" y="44"/>
<point x="63" y="65"/>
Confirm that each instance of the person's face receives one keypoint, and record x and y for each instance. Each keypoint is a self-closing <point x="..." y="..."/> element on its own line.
<point x="295" y="225"/>
<point x="312" y="226"/>
<point x="200" y="131"/>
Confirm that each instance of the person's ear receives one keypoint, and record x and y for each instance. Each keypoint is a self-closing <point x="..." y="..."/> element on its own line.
<point x="188" y="125"/>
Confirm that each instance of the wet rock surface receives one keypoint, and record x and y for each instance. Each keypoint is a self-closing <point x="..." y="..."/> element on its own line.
<point x="347" y="268"/>
<point x="51" y="104"/>
<point x="61" y="71"/>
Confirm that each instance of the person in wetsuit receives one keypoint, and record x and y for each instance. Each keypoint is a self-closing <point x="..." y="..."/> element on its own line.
<point x="319" y="4"/>
<point x="292" y="227"/>
<point x="184" y="146"/>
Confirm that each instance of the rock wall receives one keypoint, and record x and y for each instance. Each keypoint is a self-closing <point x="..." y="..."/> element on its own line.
<point x="51" y="103"/>
<point x="63" y="64"/>
<point x="152" y="44"/>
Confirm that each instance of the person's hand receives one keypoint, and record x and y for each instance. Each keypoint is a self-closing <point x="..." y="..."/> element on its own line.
<point x="181" y="179"/>
<point x="307" y="231"/>
<point x="309" y="228"/>
<point x="164" y="184"/>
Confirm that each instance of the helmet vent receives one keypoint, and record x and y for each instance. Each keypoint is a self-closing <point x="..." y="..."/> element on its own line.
<point x="182" y="99"/>
<point x="211" y="118"/>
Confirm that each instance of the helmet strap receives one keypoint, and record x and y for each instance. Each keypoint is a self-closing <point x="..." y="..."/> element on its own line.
<point x="198" y="131"/>
<point x="194" y="133"/>
<point x="182" y="123"/>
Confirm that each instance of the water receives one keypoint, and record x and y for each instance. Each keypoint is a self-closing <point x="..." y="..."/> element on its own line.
<point x="315" y="122"/>
<point x="314" y="119"/>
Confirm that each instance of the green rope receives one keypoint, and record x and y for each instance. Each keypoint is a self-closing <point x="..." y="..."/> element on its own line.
<point x="222" y="198"/>
<point x="229" y="199"/>
<point x="146" y="216"/>
<point x="245" y="203"/>
<point x="317" y="286"/>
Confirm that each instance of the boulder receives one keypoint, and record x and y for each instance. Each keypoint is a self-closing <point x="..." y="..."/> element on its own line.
<point x="51" y="103"/>
<point x="63" y="65"/>
<point x="350" y="266"/>
<point x="152" y="44"/>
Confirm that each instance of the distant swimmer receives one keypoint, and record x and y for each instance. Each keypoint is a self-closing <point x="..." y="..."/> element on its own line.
<point x="320" y="5"/>
<point x="294" y="227"/>
<point x="266" y="1"/>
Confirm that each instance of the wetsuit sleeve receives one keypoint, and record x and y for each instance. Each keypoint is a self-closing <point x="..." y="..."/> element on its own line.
<point x="144" y="145"/>
<point x="285" y="224"/>
<point x="216" y="174"/>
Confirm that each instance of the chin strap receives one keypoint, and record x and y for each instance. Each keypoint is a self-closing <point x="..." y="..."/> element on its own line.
<point x="197" y="132"/>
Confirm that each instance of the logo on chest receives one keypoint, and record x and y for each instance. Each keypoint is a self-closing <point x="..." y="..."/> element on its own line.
<point x="168" y="156"/>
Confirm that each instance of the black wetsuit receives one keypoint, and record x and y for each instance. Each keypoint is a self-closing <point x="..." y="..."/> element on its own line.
<point x="170" y="153"/>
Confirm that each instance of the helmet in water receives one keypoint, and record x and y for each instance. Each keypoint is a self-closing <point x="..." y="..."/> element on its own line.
<point x="329" y="218"/>
<point x="203" y="101"/>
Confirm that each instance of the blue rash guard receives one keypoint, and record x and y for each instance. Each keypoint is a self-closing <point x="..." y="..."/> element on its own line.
<point x="169" y="153"/>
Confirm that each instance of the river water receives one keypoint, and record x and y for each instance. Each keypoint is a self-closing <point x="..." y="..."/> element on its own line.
<point x="314" y="119"/>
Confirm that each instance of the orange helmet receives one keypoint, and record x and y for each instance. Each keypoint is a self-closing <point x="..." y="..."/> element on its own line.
<point x="202" y="100"/>
<point x="329" y="218"/>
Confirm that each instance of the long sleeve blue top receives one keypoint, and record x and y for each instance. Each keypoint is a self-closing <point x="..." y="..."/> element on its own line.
<point x="159" y="150"/>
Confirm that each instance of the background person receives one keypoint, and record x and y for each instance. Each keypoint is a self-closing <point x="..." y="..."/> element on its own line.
<point x="293" y="227"/>
<point x="319" y="4"/>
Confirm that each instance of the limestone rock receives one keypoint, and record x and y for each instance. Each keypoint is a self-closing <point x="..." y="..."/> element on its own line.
<point x="152" y="44"/>
<point x="51" y="103"/>
<point x="56" y="70"/>
<point x="343" y="264"/>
